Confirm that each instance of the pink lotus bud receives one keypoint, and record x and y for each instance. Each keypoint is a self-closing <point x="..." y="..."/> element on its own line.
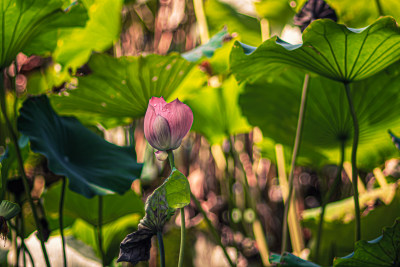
<point x="165" y="124"/>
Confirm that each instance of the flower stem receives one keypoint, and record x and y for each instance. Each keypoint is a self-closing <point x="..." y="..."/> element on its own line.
<point x="182" y="210"/>
<point x="331" y="191"/>
<point x="60" y="217"/>
<point x="294" y="156"/>
<point x="161" y="248"/>
<point x="354" y="162"/>
<point x="212" y="228"/>
<point x="99" y="230"/>
<point x="183" y="236"/>
<point x="21" y="166"/>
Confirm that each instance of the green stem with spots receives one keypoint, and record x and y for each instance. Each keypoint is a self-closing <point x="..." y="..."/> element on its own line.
<point x="182" y="210"/>
<point x="161" y="248"/>
<point x="21" y="166"/>
<point x="60" y="217"/>
<point x="354" y="161"/>
<point x="99" y="231"/>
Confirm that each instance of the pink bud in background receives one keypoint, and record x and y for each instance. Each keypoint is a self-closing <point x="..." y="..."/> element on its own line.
<point x="165" y="124"/>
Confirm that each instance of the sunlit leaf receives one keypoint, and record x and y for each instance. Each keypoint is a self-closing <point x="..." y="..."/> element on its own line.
<point x="112" y="234"/>
<point x="328" y="49"/>
<point x="101" y="30"/>
<point x="273" y="105"/>
<point x="216" y="111"/>
<point x="208" y="49"/>
<point x="30" y="26"/>
<point x="177" y="190"/>
<point x="220" y="14"/>
<point x="93" y="166"/>
<point x="120" y="88"/>
<point x="276" y="11"/>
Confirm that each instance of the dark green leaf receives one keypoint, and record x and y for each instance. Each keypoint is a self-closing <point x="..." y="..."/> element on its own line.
<point x="382" y="251"/>
<point x="77" y="206"/>
<point x="93" y="166"/>
<point x="273" y="105"/>
<point x="30" y="26"/>
<point x="329" y="49"/>
<point x="9" y="209"/>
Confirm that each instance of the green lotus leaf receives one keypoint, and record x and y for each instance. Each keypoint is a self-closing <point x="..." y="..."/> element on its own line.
<point x="207" y="49"/>
<point x="276" y="11"/>
<point x="9" y="209"/>
<point x="220" y="14"/>
<point x="31" y="26"/>
<point x="220" y="116"/>
<point x="273" y="105"/>
<point x="77" y="206"/>
<point x="338" y="228"/>
<point x="93" y="165"/>
<point x="101" y="30"/>
<point x="177" y="190"/>
<point x="329" y="49"/>
<point x="112" y="234"/>
<point x="290" y="260"/>
<point x="382" y="251"/>
<point x="120" y="88"/>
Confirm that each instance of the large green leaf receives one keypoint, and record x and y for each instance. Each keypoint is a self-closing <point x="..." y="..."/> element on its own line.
<point x="93" y="166"/>
<point x="208" y="49"/>
<point x="9" y="209"/>
<point x="290" y="260"/>
<point x="329" y="49"/>
<point x="121" y="88"/>
<point x="102" y="29"/>
<point x="30" y="26"/>
<point x="221" y="14"/>
<point x="338" y="228"/>
<point x="112" y="234"/>
<point x="216" y="111"/>
<point x="77" y="206"/>
<point x="273" y="105"/>
<point x="383" y="251"/>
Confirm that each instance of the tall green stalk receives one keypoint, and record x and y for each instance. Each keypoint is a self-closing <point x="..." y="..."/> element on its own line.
<point x="293" y="163"/>
<point x="161" y="248"/>
<point x="354" y="161"/>
<point x="379" y="6"/>
<point x="21" y="166"/>
<point x="60" y="217"/>
<point x="327" y="197"/>
<point x="182" y="210"/>
<point x="99" y="231"/>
